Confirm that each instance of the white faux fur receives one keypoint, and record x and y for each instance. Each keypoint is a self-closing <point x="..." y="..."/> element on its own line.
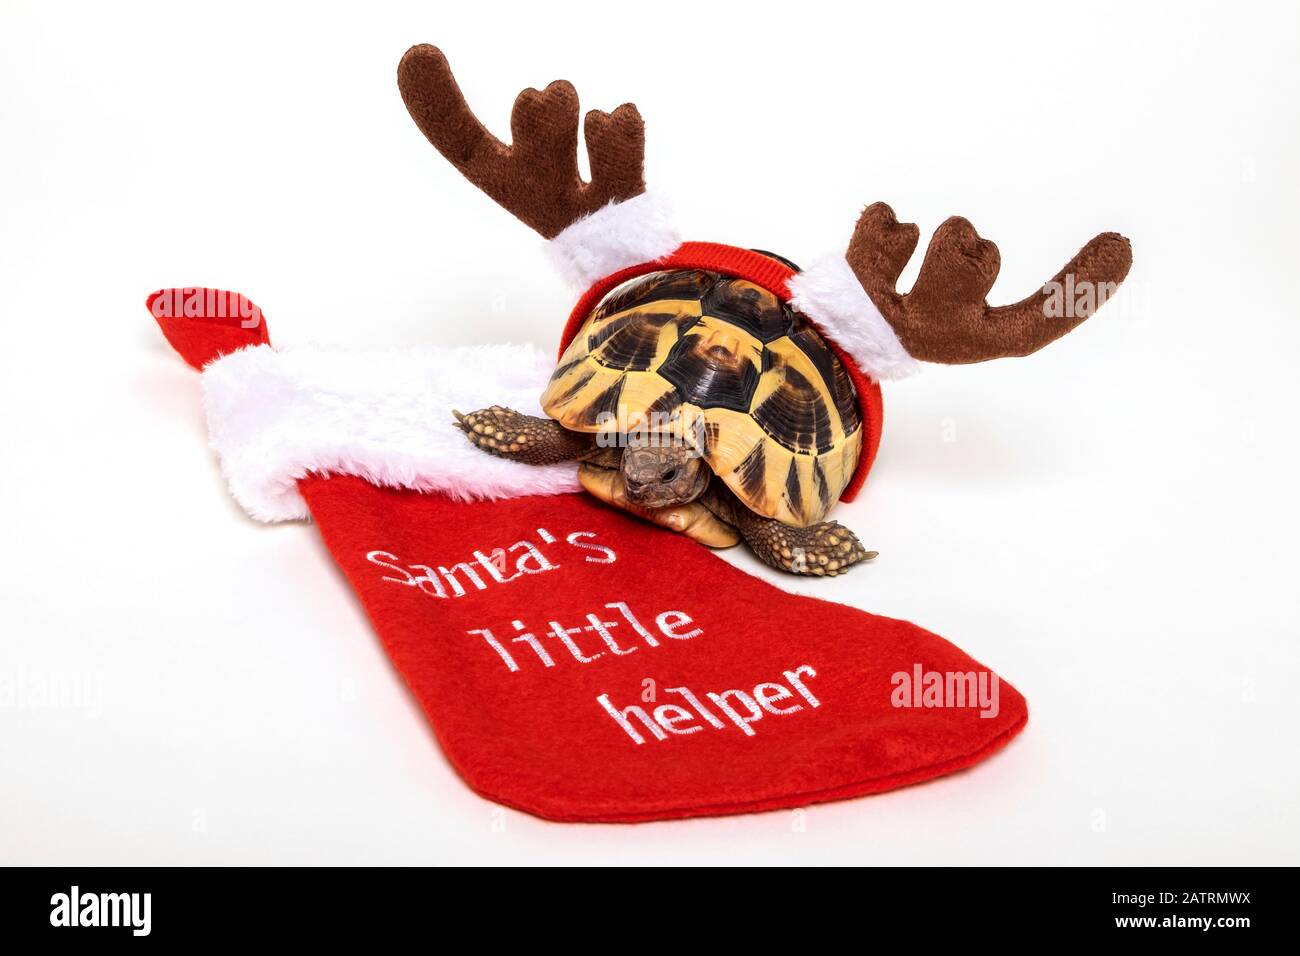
<point x="613" y="237"/>
<point x="276" y="416"/>
<point x="831" y="295"/>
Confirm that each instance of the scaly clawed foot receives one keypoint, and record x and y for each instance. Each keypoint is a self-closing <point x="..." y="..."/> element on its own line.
<point x="821" y="550"/>
<point x="531" y="439"/>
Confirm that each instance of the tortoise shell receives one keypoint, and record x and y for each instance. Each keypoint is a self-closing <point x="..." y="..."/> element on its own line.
<point x="726" y="365"/>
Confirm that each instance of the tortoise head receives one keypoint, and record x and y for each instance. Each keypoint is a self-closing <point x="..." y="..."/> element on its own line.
<point x="659" y="475"/>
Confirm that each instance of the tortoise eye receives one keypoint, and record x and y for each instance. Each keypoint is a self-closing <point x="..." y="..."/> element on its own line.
<point x="669" y="475"/>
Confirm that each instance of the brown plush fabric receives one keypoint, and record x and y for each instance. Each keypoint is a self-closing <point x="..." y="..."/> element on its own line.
<point x="536" y="178"/>
<point x="945" y="317"/>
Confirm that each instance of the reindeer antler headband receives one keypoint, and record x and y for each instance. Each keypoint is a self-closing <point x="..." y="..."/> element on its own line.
<point x="599" y="227"/>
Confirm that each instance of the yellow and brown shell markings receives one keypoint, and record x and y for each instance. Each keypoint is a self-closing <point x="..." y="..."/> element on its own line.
<point x="726" y="364"/>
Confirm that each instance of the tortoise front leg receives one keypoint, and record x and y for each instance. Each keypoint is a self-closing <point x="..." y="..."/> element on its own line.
<point x="821" y="550"/>
<point x="532" y="439"/>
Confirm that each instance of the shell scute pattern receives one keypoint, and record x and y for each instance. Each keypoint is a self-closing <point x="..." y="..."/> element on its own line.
<point x="724" y="364"/>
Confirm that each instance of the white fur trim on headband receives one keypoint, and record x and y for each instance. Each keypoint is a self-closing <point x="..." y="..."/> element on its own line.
<point x="613" y="237"/>
<point x="385" y="416"/>
<point x="831" y="295"/>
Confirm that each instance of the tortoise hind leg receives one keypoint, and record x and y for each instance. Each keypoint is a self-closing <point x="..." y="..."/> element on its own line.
<point x="821" y="550"/>
<point x="530" y="439"/>
<point x="824" y="549"/>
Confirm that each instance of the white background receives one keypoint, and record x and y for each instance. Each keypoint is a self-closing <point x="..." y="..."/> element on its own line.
<point x="1111" y="524"/>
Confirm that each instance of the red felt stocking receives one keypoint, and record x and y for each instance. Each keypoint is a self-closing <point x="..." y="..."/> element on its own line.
<point x="582" y="665"/>
<point x="579" y="664"/>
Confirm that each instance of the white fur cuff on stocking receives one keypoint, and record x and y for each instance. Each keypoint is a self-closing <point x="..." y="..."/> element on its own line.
<point x="275" y="416"/>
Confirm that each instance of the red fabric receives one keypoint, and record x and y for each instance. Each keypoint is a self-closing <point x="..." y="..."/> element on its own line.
<point x="538" y="739"/>
<point x="807" y="707"/>
<point x="225" y="322"/>
<point x="771" y="275"/>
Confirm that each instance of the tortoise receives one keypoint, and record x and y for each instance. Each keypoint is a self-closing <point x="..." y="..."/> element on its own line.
<point x="685" y="386"/>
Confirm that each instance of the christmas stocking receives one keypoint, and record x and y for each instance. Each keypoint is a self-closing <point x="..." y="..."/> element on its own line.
<point x="575" y="662"/>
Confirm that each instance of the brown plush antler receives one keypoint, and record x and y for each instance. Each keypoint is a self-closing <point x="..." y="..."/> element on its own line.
<point x="535" y="178"/>
<point x="945" y="317"/>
